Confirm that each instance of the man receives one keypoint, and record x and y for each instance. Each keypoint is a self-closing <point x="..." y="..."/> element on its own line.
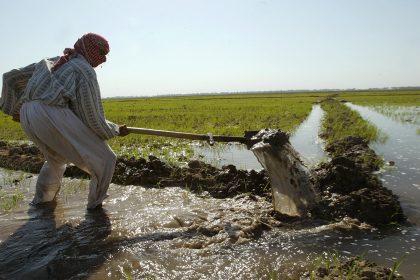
<point x="58" y="103"/>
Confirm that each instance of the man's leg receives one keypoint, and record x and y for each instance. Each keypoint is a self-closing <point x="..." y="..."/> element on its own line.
<point x="49" y="182"/>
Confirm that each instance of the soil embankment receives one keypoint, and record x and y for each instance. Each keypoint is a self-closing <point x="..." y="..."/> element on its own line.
<point x="348" y="186"/>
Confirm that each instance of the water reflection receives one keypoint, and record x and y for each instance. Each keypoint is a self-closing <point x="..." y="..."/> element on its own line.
<point x="41" y="250"/>
<point x="306" y="138"/>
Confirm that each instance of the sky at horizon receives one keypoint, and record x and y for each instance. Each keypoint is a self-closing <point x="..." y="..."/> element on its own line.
<point x="193" y="46"/>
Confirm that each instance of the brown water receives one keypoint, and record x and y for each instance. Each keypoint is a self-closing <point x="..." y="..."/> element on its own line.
<point x="141" y="232"/>
<point x="173" y="234"/>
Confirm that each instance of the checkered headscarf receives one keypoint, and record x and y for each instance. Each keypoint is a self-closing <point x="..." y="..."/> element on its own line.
<point x="92" y="46"/>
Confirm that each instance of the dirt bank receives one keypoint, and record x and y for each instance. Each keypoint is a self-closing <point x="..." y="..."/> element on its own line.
<point x="197" y="176"/>
<point x="348" y="187"/>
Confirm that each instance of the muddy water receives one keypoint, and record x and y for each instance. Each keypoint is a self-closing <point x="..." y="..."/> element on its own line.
<point x="157" y="233"/>
<point x="150" y="233"/>
<point x="173" y="234"/>
<point x="304" y="139"/>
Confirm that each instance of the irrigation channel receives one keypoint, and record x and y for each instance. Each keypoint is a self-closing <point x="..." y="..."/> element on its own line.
<point x="305" y="140"/>
<point x="152" y="233"/>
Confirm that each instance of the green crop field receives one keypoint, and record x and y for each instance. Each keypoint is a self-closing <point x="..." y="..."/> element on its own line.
<point x="219" y="115"/>
<point x="230" y="114"/>
<point x="402" y="106"/>
<point x="340" y="122"/>
<point x="381" y="98"/>
<point x="216" y="114"/>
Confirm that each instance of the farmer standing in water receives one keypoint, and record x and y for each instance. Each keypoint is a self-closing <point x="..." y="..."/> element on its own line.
<point x="58" y="104"/>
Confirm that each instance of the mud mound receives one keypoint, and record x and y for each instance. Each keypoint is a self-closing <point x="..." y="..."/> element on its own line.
<point x="348" y="188"/>
<point x="21" y="157"/>
<point x="197" y="176"/>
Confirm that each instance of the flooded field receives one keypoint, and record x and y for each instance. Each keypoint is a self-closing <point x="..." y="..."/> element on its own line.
<point x="171" y="233"/>
<point x="404" y="114"/>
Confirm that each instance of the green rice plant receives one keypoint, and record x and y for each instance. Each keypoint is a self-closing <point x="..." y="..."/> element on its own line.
<point x="334" y="266"/>
<point x="70" y="187"/>
<point x="15" y="183"/>
<point x="9" y="129"/>
<point x="10" y="201"/>
<point x="340" y="122"/>
<point x="230" y="115"/>
<point x="330" y="264"/>
<point x="395" y="267"/>
<point x="274" y="275"/>
<point x="126" y="274"/>
<point x="403" y="114"/>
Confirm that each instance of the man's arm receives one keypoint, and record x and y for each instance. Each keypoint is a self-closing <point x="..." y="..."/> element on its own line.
<point x="14" y="84"/>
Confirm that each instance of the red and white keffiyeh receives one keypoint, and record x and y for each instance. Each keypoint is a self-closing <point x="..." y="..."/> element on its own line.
<point x="92" y="46"/>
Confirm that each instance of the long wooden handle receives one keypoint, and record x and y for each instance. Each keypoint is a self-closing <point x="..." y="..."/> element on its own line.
<point x="185" y="135"/>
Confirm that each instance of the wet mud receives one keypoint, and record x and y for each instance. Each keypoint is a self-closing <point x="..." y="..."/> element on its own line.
<point x="348" y="186"/>
<point x="197" y="177"/>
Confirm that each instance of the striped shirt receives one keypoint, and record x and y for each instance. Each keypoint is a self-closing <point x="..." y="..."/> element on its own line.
<point x="74" y="85"/>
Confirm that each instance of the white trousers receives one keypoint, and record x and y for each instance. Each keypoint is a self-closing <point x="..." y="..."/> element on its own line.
<point x="62" y="137"/>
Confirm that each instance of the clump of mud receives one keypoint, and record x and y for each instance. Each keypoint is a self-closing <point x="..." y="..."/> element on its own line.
<point x="356" y="268"/>
<point x="348" y="187"/>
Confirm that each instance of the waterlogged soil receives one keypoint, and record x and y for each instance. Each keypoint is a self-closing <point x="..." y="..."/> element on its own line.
<point x="350" y="198"/>
<point x="348" y="186"/>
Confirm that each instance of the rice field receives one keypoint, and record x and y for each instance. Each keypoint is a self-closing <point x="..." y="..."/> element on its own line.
<point x="401" y="106"/>
<point x="228" y="114"/>
<point x="340" y="122"/>
<point x="382" y="98"/>
<point x="216" y="114"/>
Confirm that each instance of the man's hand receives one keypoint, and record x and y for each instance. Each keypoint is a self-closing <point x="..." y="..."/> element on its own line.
<point x="123" y="130"/>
